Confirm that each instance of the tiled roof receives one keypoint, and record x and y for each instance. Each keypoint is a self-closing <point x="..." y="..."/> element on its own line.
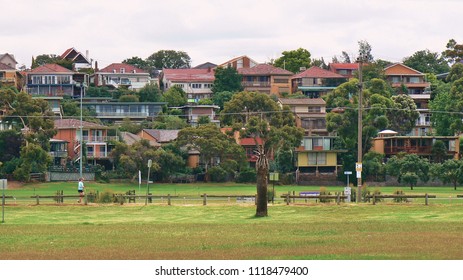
<point x="264" y="69"/>
<point x="191" y="75"/>
<point x="127" y="68"/>
<point x="4" y="67"/>
<point x="344" y="66"/>
<point x="50" y="68"/>
<point x="317" y="72"/>
<point x="130" y="139"/>
<point x="302" y="101"/>
<point x="163" y="135"/>
<point x="73" y="123"/>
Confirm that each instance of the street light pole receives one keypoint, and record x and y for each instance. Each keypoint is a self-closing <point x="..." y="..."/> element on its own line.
<point x="81" y="133"/>
<point x="360" y="132"/>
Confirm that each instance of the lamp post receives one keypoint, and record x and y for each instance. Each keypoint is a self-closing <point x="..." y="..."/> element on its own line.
<point x="359" y="139"/>
<point x="150" y="162"/>
<point x="81" y="133"/>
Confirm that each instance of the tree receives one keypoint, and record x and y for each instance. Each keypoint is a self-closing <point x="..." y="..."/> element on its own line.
<point x="450" y="171"/>
<point x="213" y="145"/>
<point x="255" y="115"/>
<point x="149" y="93"/>
<point x="293" y="60"/>
<point x="454" y="51"/>
<point x="137" y="62"/>
<point x="456" y="72"/>
<point x="175" y="97"/>
<point x="226" y="79"/>
<point x="403" y="116"/>
<point x="444" y="118"/>
<point x="439" y="151"/>
<point x="169" y="59"/>
<point x="365" y="52"/>
<point x="408" y="168"/>
<point x="222" y="97"/>
<point x="426" y="61"/>
<point x="163" y="121"/>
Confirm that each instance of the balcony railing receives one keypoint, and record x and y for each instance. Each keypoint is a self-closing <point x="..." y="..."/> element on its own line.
<point x="122" y="114"/>
<point x="100" y="138"/>
<point x="59" y="154"/>
<point x="256" y="84"/>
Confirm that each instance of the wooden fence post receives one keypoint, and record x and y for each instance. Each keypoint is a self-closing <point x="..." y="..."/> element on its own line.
<point x="168" y="199"/>
<point x="205" y="200"/>
<point x="37" y="198"/>
<point x="374" y="198"/>
<point x="287" y="198"/>
<point x="426" y="199"/>
<point x="338" y="200"/>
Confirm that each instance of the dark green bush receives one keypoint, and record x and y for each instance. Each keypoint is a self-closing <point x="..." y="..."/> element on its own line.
<point x="246" y="176"/>
<point x="217" y="174"/>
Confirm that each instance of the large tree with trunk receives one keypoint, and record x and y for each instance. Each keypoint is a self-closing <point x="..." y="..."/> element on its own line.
<point x="257" y="116"/>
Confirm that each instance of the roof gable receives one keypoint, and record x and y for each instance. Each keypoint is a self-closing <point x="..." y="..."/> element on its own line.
<point x="163" y="135"/>
<point x="401" y="69"/>
<point x="6" y="55"/>
<point x="246" y="62"/>
<point x="317" y="72"/>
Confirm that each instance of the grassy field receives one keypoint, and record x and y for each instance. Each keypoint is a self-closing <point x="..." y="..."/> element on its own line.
<point x="229" y="230"/>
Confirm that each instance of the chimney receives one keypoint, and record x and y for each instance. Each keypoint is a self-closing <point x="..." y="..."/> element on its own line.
<point x="87" y="55"/>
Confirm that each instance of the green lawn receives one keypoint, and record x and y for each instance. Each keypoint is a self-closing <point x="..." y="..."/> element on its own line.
<point x="230" y="230"/>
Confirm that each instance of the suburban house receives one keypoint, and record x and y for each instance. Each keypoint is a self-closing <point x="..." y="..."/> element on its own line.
<point x="8" y="59"/>
<point x="50" y="80"/>
<point x="402" y="76"/>
<point x="196" y="82"/>
<point x="118" y="75"/>
<point x="192" y="113"/>
<point x="115" y="111"/>
<point x="266" y="78"/>
<point x="79" y="61"/>
<point x="96" y="139"/>
<point x="318" y="158"/>
<point x="9" y="76"/>
<point x="310" y="114"/>
<point x="347" y="70"/>
<point x="390" y="144"/>
<point x="316" y="82"/>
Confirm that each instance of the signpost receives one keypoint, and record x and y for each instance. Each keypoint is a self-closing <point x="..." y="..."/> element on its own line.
<point x="274" y="176"/>
<point x="347" y="189"/>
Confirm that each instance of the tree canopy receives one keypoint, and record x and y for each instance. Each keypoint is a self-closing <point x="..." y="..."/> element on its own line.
<point x="293" y="60"/>
<point x="226" y="79"/>
<point x="169" y="59"/>
<point x="426" y="61"/>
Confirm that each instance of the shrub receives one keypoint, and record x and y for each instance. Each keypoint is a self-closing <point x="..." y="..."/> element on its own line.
<point x="324" y="191"/>
<point x="246" y="176"/>
<point x="399" y="199"/>
<point x="106" y="196"/>
<point x="217" y="174"/>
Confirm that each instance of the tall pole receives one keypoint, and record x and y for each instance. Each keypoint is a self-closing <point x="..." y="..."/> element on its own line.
<point x="150" y="162"/>
<point x="359" y="135"/>
<point x="81" y="134"/>
<point x="3" y="201"/>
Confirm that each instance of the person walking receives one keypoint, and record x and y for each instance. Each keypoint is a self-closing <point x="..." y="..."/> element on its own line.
<point x="80" y="189"/>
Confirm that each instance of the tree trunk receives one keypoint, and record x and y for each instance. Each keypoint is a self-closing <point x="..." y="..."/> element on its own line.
<point x="261" y="210"/>
<point x="262" y="173"/>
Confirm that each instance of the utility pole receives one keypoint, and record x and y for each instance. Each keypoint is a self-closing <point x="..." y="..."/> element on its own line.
<point x="358" y="166"/>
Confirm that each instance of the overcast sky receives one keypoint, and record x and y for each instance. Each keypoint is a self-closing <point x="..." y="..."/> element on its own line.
<point x="218" y="30"/>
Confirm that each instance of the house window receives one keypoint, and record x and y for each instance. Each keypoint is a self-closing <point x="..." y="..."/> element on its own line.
<point x="36" y="80"/>
<point x="281" y="81"/>
<point x="414" y="80"/>
<point x="207" y="85"/>
<point x="315" y="109"/>
<point x="317" y="158"/>
<point x="196" y="85"/>
<point x="122" y="70"/>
